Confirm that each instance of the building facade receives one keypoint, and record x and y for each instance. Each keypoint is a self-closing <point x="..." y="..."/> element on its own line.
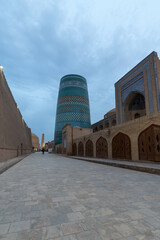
<point x="109" y="120"/>
<point x="15" y="136"/>
<point x="35" y="142"/>
<point x="137" y="93"/>
<point x="72" y="105"/>
<point x="132" y="130"/>
<point x="51" y="146"/>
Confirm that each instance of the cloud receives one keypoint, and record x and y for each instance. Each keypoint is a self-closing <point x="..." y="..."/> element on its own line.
<point x="41" y="41"/>
<point x="38" y="108"/>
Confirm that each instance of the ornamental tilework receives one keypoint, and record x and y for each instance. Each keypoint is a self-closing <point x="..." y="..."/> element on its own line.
<point x="73" y="77"/>
<point x="73" y="99"/>
<point x="156" y="80"/>
<point x="138" y="86"/>
<point x="73" y="83"/>
<point x="73" y="116"/>
<point x="73" y="90"/>
<point x="63" y="108"/>
<point x="72" y="105"/>
<point x="141" y="67"/>
<point x="132" y="80"/>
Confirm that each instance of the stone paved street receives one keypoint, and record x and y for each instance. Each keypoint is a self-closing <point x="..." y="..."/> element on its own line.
<point x="53" y="197"/>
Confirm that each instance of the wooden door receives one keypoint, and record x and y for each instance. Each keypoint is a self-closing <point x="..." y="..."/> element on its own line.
<point x="121" y="147"/>
<point x="74" y="149"/>
<point x="89" y="148"/>
<point x="149" y="144"/>
<point x="101" y="148"/>
<point x="80" y="149"/>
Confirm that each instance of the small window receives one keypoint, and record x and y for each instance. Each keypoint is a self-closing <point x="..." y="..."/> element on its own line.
<point x="107" y="125"/>
<point x="100" y="127"/>
<point x="95" y="129"/>
<point x="157" y="137"/>
<point x="137" y="115"/>
<point x="113" y="122"/>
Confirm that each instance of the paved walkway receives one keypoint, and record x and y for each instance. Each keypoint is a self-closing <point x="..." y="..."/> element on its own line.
<point x="9" y="163"/>
<point x="150" y="167"/>
<point x="53" y="197"/>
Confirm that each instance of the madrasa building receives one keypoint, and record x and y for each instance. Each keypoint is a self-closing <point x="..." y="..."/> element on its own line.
<point x="129" y="131"/>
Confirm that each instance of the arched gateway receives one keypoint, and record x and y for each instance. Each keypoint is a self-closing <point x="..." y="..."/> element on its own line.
<point x="89" y="148"/>
<point x="74" y="149"/>
<point x="80" y="149"/>
<point x="121" y="146"/>
<point x="149" y="144"/>
<point x="101" y="148"/>
<point x="134" y="106"/>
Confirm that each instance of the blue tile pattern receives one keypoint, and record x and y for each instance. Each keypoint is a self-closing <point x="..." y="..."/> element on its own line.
<point x="149" y="82"/>
<point x="72" y="105"/>
<point x="73" y="83"/>
<point x="137" y="86"/>
<point x="132" y="80"/>
<point x="124" y="82"/>
<point x="156" y="78"/>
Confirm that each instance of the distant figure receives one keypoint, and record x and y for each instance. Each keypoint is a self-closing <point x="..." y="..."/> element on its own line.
<point x="43" y="150"/>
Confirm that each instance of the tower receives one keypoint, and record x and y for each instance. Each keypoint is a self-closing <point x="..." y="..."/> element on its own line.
<point x="42" y="142"/>
<point x="72" y="105"/>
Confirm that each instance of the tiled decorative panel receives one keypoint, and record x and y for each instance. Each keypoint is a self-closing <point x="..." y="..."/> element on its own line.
<point x="137" y="86"/>
<point x="73" y="99"/>
<point x="156" y="80"/>
<point x="134" y="81"/>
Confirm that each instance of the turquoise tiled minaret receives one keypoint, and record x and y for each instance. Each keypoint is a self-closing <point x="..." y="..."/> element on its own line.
<point x="72" y="105"/>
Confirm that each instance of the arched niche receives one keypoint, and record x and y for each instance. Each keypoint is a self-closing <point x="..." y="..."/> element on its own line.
<point x="134" y="106"/>
<point x="100" y="127"/>
<point x="113" y="123"/>
<point x="121" y="146"/>
<point x="80" y="149"/>
<point x="95" y="129"/>
<point x="149" y="144"/>
<point x="106" y="125"/>
<point x="101" y="148"/>
<point x="74" y="149"/>
<point x="89" y="148"/>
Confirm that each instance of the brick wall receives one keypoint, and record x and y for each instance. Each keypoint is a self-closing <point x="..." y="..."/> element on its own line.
<point x="15" y="136"/>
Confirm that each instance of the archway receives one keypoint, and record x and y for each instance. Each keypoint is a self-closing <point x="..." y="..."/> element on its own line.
<point x="89" y="148"/>
<point x="137" y="115"/>
<point x="101" y="127"/>
<point x="134" y="106"/>
<point x="149" y="144"/>
<point x="101" y="148"/>
<point x="106" y="125"/>
<point x="121" y="146"/>
<point x="80" y="149"/>
<point x="113" y="123"/>
<point x="74" y="149"/>
<point x="95" y="129"/>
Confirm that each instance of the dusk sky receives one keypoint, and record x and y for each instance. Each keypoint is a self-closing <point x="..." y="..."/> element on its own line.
<point x="43" y="40"/>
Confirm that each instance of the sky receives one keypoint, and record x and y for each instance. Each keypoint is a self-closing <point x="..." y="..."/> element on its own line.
<point x="43" y="40"/>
